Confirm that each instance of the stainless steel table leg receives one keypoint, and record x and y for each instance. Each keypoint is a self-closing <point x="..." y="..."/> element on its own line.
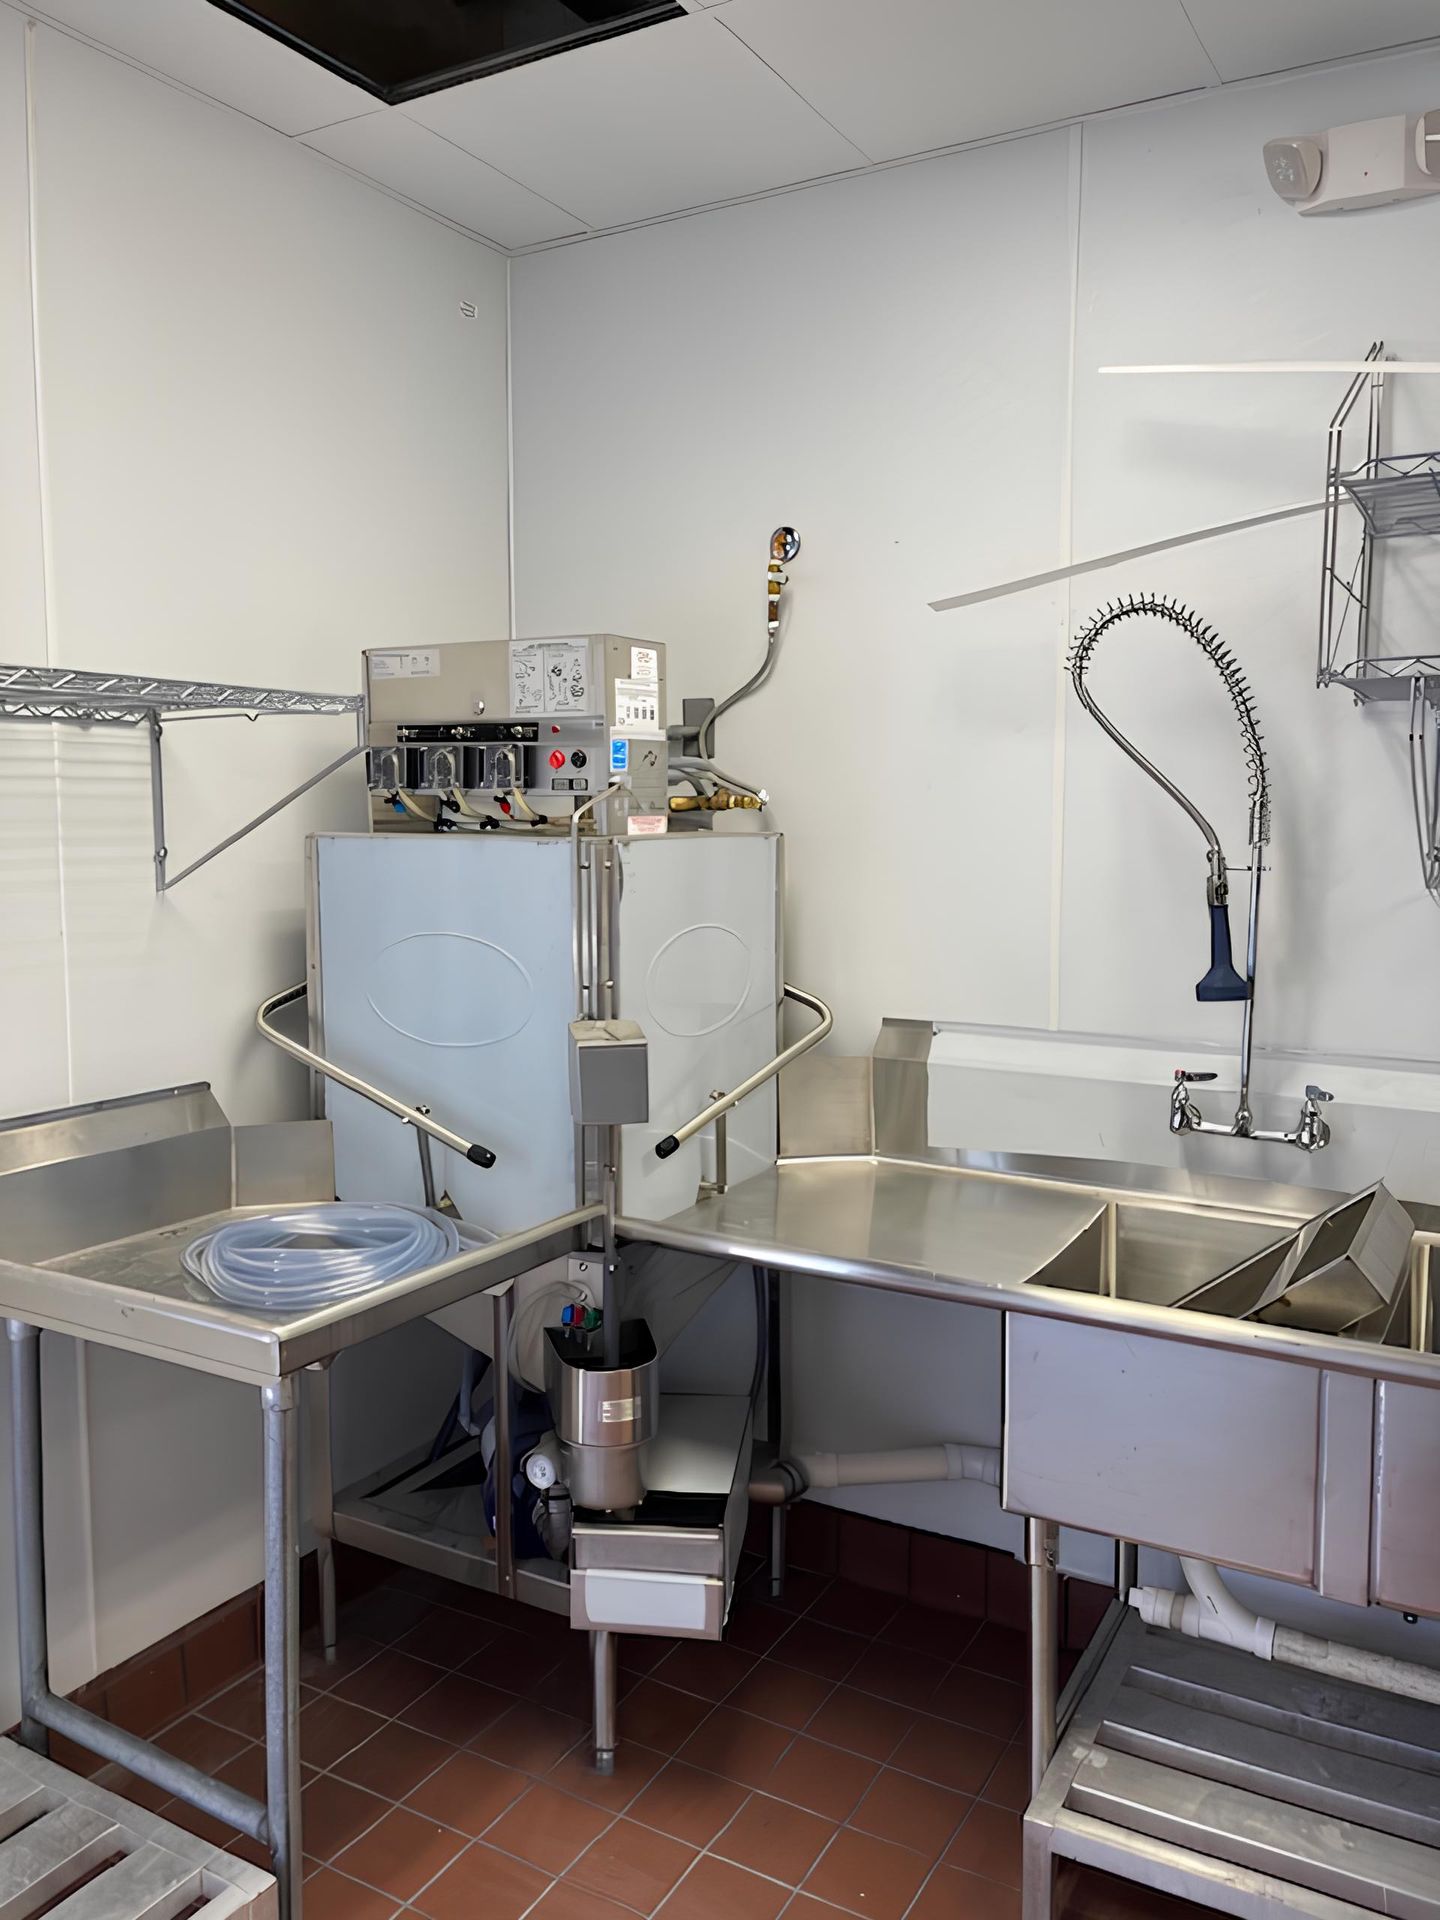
<point x="1037" y="1873"/>
<point x="1041" y="1556"/>
<point x="1127" y="1569"/>
<point x="280" y="1403"/>
<point x="604" y="1648"/>
<point x="322" y="1491"/>
<point x="775" y="1422"/>
<point x="28" y="1522"/>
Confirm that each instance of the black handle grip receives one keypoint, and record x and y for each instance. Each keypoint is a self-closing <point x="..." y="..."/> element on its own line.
<point x="664" y="1148"/>
<point x="1222" y="982"/>
<point x="482" y="1156"/>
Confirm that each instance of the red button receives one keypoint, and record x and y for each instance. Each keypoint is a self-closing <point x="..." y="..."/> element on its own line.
<point x="557" y="759"/>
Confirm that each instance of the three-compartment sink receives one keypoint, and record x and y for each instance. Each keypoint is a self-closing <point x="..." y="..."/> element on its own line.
<point x="1341" y="1272"/>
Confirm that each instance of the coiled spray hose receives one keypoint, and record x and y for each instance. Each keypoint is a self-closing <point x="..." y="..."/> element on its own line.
<point x="1221" y="982"/>
<point x="315" y="1256"/>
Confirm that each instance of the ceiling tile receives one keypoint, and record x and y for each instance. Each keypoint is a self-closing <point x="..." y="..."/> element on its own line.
<point x="218" y="55"/>
<point x="905" y="76"/>
<point x="395" y="151"/>
<point x="1244" y="38"/>
<point x="674" y="116"/>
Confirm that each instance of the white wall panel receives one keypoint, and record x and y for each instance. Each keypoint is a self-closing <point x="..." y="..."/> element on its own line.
<point x="667" y="417"/>
<point x="1223" y="270"/>
<point x="271" y="438"/>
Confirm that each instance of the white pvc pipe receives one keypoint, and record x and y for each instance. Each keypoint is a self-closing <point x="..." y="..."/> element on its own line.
<point x="1211" y="1612"/>
<point x="904" y="1467"/>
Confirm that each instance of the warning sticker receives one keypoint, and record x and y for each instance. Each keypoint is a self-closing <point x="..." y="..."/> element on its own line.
<point x="643" y="824"/>
<point x="549" y="677"/>
<point x="644" y="663"/>
<point x="637" y="706"/>
<point x="413" y="663"/>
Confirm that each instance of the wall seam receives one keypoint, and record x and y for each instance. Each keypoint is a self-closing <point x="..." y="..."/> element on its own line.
<point x="81" y="1371"/>
<point x="509" y="448"/>
<point x="1067" y="555"/>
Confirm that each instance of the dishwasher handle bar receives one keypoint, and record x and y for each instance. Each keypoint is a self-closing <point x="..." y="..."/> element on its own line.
<point x="413" y="1116"/>
<point x="673" y="1142"/>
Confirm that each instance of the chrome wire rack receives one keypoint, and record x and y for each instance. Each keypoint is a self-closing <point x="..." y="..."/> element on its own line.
<point x="1387" y="496"/>
<point x="69" y="696"/>
<point x="130" y="699"/>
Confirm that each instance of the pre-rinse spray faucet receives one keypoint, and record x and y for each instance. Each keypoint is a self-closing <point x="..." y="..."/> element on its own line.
<point x="1220" y="981"/>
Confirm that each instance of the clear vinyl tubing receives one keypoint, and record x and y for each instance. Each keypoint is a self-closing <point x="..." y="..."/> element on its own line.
<point x="317" y="1255"/>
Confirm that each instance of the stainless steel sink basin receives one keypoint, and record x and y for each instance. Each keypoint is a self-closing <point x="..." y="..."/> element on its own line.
<point x="1160" y="1254"/>
<point x="1338" y="1273"/>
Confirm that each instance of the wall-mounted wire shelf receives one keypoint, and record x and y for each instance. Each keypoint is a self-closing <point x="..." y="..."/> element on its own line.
<point x="71" y="697"/>
<point x="1398" y="494"/>
<point x="1393" y="495"/>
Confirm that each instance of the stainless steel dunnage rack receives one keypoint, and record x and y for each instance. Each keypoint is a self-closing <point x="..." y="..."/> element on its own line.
<point x="66" y="696"/>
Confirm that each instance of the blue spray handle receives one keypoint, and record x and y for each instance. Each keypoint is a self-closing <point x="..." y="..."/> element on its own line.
<point x="1222" y="982"/>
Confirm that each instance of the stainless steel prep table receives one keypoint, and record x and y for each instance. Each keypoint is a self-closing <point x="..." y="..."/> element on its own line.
<point x="97" y="1205"/>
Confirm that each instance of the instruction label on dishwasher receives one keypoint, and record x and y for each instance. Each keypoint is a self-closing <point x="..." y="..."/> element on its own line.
<point x="552" y="676"/>
<point x="644" y="663"/>
<point x="414" y="663"/>
<point x="637" y="706"/>
<point x="612" y="1412"/>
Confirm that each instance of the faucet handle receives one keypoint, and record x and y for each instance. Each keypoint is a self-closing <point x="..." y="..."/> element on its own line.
<point x="1318" y="1093"/>
<point x="1184" y="1077"/>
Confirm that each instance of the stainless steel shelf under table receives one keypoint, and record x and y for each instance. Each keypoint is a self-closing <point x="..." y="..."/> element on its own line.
<point x="1249" y="1787"/>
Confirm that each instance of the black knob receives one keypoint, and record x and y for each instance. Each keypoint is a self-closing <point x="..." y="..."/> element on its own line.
<point x="579" y="757"/>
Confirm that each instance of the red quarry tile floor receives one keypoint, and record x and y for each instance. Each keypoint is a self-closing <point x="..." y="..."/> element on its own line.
<point x="844" y="1753"/>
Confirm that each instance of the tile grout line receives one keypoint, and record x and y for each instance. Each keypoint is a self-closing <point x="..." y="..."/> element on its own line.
<point x="442" y="1672"/>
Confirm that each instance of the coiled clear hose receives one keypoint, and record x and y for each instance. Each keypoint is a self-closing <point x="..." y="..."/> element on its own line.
<point x="317" y="1255"/>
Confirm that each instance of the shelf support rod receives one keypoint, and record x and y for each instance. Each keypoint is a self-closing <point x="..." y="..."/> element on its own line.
<point x="162" y="884"/>
<point x="157" y="797"/>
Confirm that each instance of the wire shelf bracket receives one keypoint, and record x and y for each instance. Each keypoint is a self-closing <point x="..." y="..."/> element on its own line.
<point x="66" y="696"/>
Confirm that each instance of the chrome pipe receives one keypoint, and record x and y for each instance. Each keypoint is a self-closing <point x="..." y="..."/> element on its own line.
<point x="1243" y="1114"/>
<point x="28" y="1521"/>
<point x="412" y="1115"/>
<point x="152" y="1763"/>
<point x="605" y="1675"/>
<point x="503" y="1317"/>
<point x="577" y="954"/>
<point x="672" y="1141"/>
<point x="1041" y="1555"/>
<point x="280" y="1413"/>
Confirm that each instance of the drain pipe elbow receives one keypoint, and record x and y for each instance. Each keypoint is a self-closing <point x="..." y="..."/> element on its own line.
<point x="1208" y="1612"/>
<point x="907" y="1466"/>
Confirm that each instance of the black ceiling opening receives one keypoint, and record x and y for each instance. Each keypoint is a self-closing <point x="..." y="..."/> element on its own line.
<point x="399" y="49"/>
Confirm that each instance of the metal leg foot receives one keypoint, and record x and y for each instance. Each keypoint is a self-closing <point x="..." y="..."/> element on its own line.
<point x="325" y="1563"/>
<point x="604" y="1664"/>
<point x="282" y="1641"/>
<point x="1041" y="1556"/>
<point x="777" y="1552"/>
<point x="28" y="1493"/>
